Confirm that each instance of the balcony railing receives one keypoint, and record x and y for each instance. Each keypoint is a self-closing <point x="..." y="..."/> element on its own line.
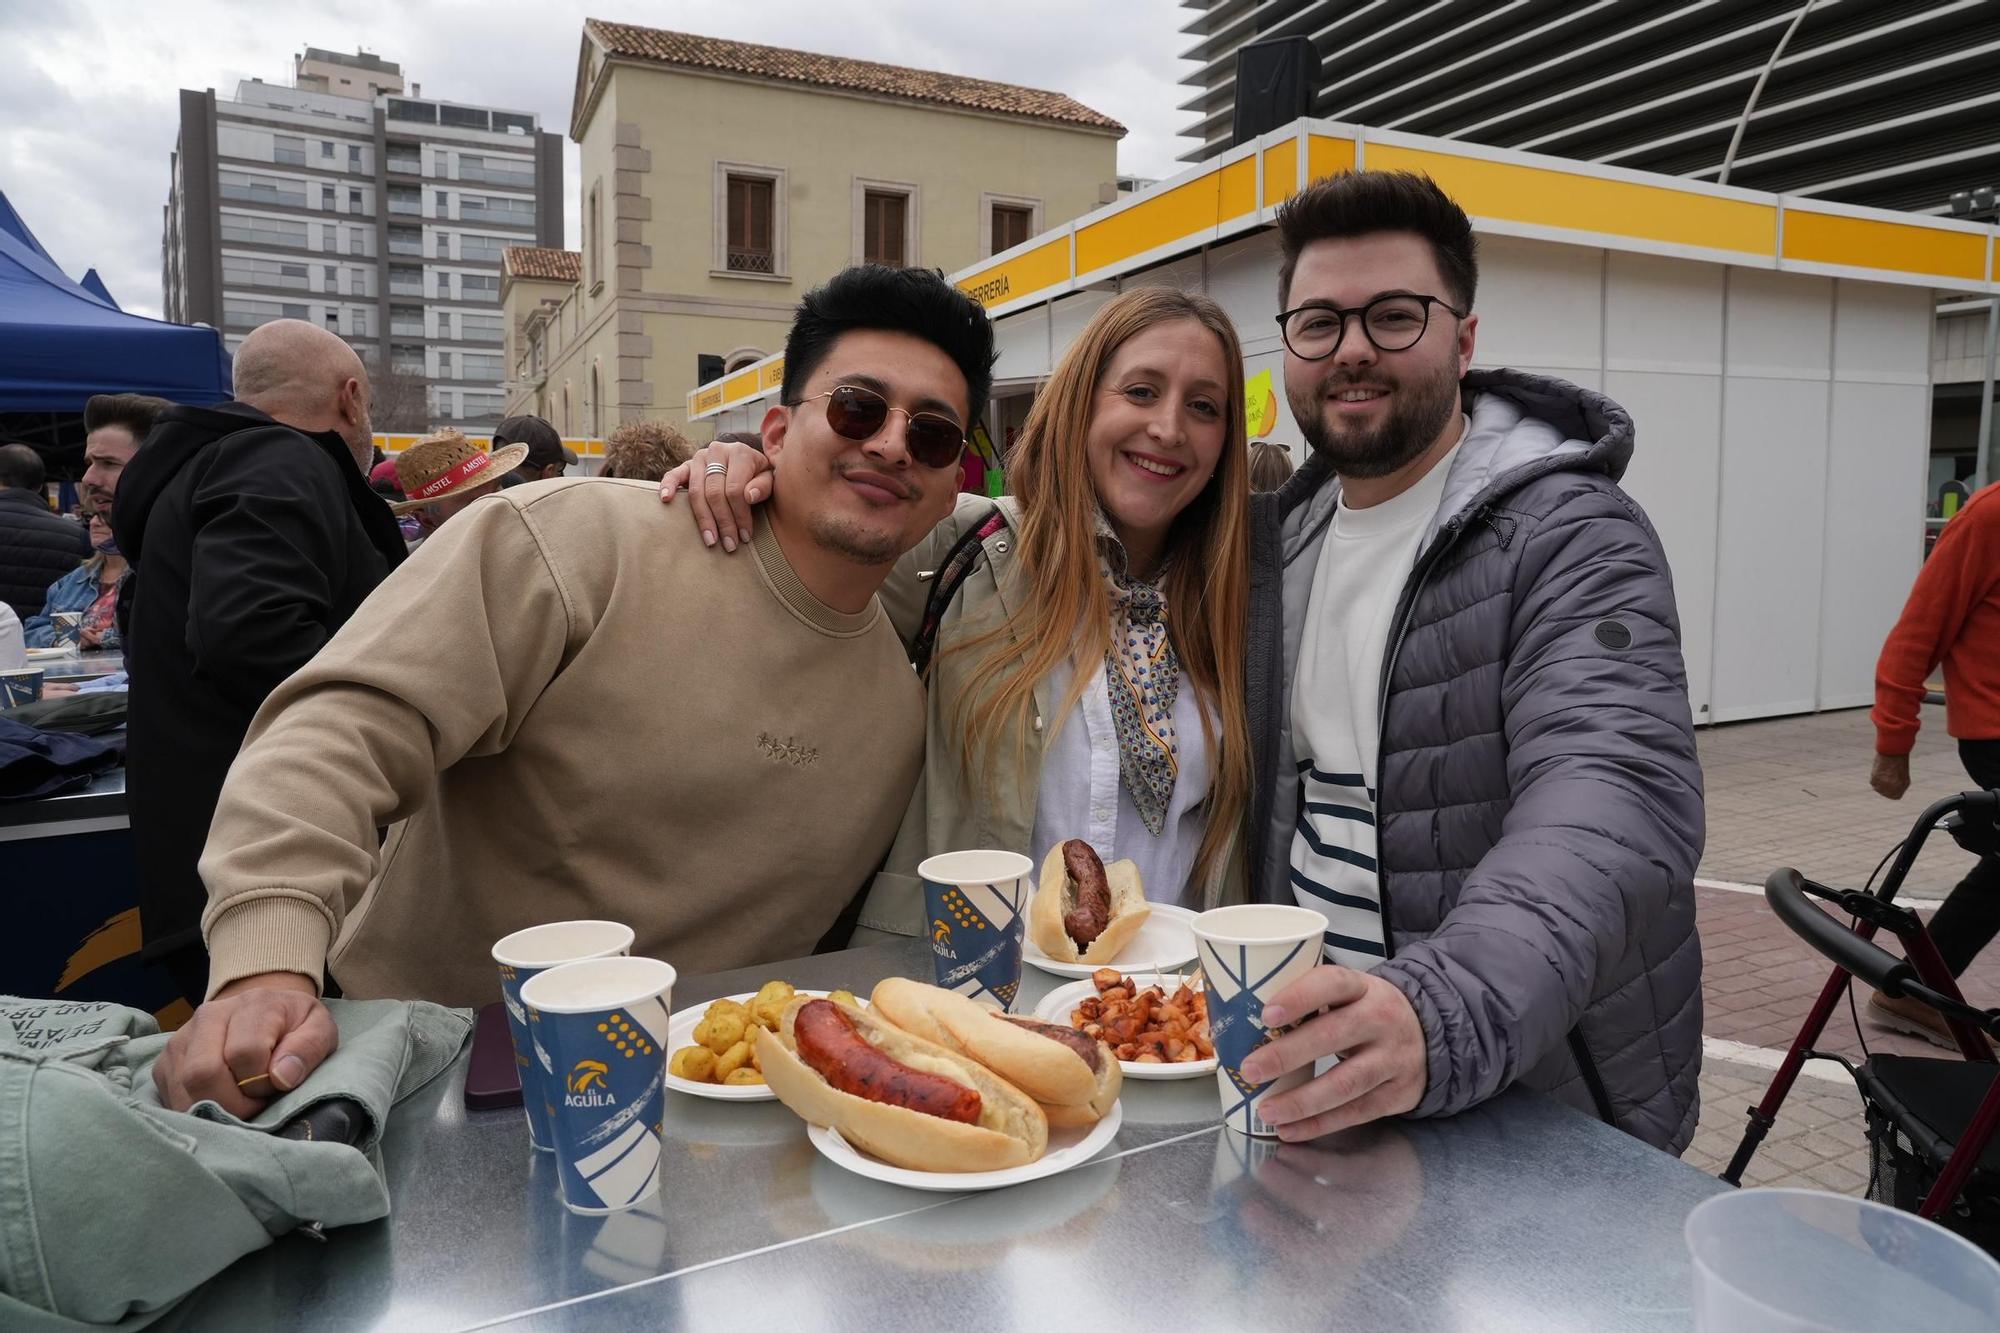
<point x="751" y="261"/>
<point x="406" y="207"/>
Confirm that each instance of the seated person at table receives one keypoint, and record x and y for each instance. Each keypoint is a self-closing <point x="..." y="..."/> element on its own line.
<point x="92" y="588"/>
<point x="572" y="718"/>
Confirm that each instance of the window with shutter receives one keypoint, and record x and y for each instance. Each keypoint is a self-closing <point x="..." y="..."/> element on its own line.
<point x="1011" y="226"/>
<point x="885" y="228"/>
<point x="751" y="225"/>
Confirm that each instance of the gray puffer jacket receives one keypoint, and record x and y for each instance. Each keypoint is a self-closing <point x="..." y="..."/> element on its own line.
<point x="1539" y="800"/>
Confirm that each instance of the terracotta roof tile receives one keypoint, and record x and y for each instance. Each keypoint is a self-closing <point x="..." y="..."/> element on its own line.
<point x="538" y="262"/>
<point x="776" y="62"/>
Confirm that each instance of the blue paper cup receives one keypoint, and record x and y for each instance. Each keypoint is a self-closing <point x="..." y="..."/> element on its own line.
<point x="1248" y="954"/>
<point x="604" y="1024"/>
<point x="975" y="907"/>
<point x="20" y="686"/>
<point x="527" y="953"/>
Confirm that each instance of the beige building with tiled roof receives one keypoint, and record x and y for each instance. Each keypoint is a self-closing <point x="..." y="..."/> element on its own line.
<point x="722" y="180"/>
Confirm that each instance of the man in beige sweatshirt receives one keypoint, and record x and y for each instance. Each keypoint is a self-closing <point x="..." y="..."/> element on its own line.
<point x="541" y="701"/>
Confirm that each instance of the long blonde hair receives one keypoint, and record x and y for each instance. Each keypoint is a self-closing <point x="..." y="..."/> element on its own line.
<point x="1065" y="616"/>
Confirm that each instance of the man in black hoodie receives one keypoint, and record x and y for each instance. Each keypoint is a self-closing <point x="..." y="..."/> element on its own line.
<point x="255" y="536"/>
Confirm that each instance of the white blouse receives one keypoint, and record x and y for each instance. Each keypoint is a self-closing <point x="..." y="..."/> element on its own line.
<point x="1081" y="795"/>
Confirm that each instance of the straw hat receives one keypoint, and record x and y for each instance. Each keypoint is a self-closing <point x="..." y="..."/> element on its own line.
<point x="445" y="464"/>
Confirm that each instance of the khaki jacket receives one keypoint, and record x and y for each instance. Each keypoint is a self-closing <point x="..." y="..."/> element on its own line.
<point x="943" y="816"/>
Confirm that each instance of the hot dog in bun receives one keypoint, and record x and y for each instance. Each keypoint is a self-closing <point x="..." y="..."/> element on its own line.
<point x="1075" y="1078"/>
<point x="1085" y="911"/>
<point x="908" y="1101"/>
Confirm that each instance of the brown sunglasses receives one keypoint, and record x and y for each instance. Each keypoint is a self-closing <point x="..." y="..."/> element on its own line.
<point x="856" y="413"/>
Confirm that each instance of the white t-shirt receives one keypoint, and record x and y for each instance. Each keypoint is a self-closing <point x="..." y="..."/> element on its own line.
<point x="1082" y="796"/>
<point x="1336" y="711"/>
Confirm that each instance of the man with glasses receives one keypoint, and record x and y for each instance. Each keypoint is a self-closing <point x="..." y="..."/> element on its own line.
<point x="573" y="717"/>
<point x="1477" y="759"/>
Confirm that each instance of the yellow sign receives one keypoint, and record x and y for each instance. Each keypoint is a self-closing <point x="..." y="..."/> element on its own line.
<point x="1260" y="405"/>
<point x="708" y="399"/>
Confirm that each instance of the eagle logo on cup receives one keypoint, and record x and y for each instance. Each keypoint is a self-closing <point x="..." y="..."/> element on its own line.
<point x="588" y="1074"/>
<point x="941" y="933"/>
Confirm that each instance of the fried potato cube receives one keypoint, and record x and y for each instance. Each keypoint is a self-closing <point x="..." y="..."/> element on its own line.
<point x="727" y="1007"/>
<point x="780" y="991"/>
<point x="766" y="1013"/>
<point x="845" y="997"/>
<point x="696" y="1064"/>
<point x="719" y="1032"/>
<point x="743" y="1077"/>
<point x="731" y="1060"/>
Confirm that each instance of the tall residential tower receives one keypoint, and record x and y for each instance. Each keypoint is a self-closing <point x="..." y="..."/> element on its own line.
<point x="378" y="213"/>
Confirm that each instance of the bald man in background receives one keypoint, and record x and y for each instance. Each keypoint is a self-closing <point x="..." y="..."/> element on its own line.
<point x="255" y="536"/>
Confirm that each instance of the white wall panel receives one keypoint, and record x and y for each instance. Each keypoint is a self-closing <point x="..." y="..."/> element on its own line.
<point x="1022" y="342"/>
<point x="1780" y="324"/>
<point x="1663" y="363"/>
<point x="1663" y="315"/>
<point x="1676" y="467"/>
<point x="1769" y="547"/>
<point x="1540" y="306"/>
<point x="1884" y="333"/>
<point x="1878" y="444"/>
<point x="1243" y="280"/>
<point x="1067" y="318"/>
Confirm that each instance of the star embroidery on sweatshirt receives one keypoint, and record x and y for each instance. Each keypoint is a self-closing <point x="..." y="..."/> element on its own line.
<point x="787" y="751"/>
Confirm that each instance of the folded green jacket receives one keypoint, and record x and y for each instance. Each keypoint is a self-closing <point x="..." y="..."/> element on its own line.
<point x="112" y="1207"/>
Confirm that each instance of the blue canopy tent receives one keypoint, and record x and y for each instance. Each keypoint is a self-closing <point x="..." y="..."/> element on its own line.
<point x="60" y="343"/>
<point x="95" y="286"/>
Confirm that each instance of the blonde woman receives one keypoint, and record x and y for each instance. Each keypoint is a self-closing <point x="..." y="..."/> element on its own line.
<point x="1086" y="674"/>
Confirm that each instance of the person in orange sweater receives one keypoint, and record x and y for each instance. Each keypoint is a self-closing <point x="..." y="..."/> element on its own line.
<point x="1953" y="617"/>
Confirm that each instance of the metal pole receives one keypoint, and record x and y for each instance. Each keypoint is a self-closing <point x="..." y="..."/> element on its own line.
<point x="1982" y="467"/>
<point x="1757" y="90"/>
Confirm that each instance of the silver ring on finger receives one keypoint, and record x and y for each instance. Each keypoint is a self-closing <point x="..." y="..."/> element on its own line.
<point x="716" y="469"/>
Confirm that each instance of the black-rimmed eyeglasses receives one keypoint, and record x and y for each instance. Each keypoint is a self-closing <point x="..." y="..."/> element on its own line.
<point x="1390" y="323"/>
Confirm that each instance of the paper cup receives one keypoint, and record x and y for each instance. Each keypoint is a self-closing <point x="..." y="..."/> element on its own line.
<point x="20" y="686"/>
<point x="527" y="953"/>
<point x="976" y="905"/>
<point x="68" y="626"/>
<point x="604" y="1025"/>
<point x="1248" y="954"/>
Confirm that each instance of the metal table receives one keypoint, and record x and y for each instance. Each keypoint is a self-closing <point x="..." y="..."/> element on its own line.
<point x="87" y="665"/>
<point x="1520" y="1214"/>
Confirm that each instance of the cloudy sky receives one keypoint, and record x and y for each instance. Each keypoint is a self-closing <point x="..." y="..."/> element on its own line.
<point x="90" y="101"/>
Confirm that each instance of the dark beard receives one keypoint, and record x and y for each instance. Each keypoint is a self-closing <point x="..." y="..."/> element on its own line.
<point x="1417" y="416"/>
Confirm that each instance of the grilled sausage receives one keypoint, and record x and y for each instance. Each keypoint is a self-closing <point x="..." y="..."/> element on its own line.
<point x="1087" y="1047"/>
<point x="1091" y="892"/>
<point x="833" y="1048"/>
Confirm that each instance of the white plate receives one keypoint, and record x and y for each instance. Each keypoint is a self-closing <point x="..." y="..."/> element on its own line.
<point x="51" y="654"/>
<point x="680" y="1033"/>
<point x="1057" y="1004"/>
<point x="1067" y="1148"/>
<point x="1164" y="942"/>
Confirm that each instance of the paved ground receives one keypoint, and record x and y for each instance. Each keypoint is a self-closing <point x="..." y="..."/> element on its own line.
<point x="1795" y="792"/>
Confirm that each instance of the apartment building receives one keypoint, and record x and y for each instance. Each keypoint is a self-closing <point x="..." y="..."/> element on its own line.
<point x="382" y="214"/>
<point x="722" y="180"/>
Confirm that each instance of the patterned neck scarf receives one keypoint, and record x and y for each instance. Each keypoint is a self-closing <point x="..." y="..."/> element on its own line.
<point x="1142" y="675"/>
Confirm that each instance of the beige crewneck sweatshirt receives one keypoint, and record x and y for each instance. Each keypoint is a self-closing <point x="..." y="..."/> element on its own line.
<point x="574" y="711"/>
